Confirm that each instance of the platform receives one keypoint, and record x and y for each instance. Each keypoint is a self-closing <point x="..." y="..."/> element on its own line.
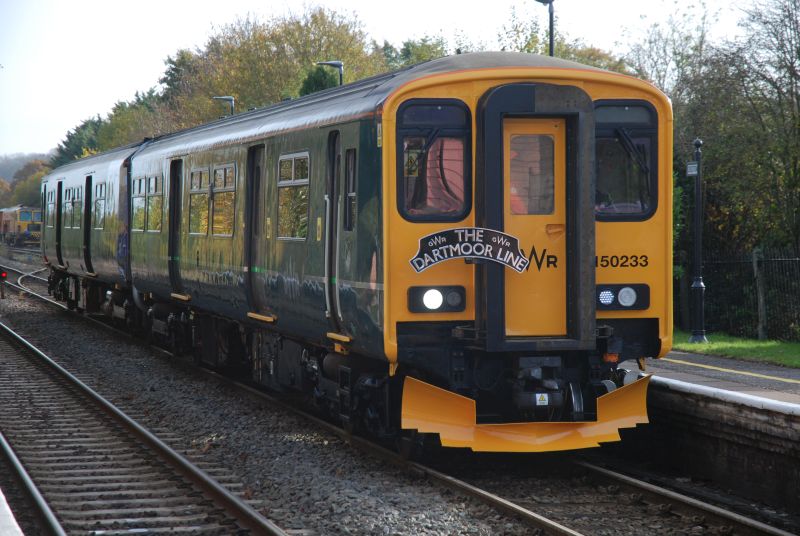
<point x="753" y="378"/>
<point x="8" y="524"/>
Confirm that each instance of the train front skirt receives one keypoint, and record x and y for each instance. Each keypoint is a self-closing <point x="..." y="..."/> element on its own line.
<point x="430" y="409"/>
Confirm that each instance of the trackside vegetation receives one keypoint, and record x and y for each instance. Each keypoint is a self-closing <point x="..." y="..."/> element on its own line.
<point x="777" y="352"/>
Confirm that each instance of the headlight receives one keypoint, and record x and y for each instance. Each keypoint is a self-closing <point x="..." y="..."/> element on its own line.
<point x="630" y="296"/>
<point x="626" y="296"/>
<point x="433" y="299"/>
<point x="606" y="297"/>
<point x="438" y="299"/>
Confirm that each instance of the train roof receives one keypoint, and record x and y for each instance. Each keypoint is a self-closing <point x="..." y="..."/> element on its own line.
<point x="358" y="99"/>
<point x="19" y="207"/>
<point x="95" y="164"/>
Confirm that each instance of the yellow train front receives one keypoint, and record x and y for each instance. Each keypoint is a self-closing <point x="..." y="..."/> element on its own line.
<point x="527" y="247"/>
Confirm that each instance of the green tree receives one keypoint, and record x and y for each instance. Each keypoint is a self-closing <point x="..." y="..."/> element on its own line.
<point x="258" y="63"/>
<point x="28" y="191"/>
<point x="425" y="49"/>
<point x="146" y="116"/>
<point x="319" y="78"/>
<point x="84" y="136"/>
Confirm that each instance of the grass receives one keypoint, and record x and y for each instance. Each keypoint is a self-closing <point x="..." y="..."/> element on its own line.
<point x="778" y="352"/>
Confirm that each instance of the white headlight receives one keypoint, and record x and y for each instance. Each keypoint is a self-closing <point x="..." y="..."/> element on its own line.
<point x="626" y="296"/>
<point x="606" y="297"/>
<point x="432" y="299"/>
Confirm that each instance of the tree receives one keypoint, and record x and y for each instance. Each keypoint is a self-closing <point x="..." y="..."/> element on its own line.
<point x="259" y="63"/>
<point x="5" y="193"/>
<point x="128" y="122"/>
<point x="84" y="136"/>
<point x="318" y="78"/>
<point x="523" y="34"/>
<point x="29" y="168"/>
<point x="767" y="61"/>
<point x="27" y="185"/>
<point x="28" y="192"/>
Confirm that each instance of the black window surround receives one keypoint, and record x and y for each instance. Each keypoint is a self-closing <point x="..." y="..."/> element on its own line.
<point x="634" y="128"/>
<point x="453" y="127"/>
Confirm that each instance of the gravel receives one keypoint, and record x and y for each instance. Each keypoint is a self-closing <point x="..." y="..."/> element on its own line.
<point x="305" y="480"/>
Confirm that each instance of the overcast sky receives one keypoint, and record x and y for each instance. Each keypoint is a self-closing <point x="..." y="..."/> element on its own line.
<point x="62" y="62"/>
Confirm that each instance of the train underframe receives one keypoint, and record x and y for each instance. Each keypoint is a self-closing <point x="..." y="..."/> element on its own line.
<point x="506" y="388"/>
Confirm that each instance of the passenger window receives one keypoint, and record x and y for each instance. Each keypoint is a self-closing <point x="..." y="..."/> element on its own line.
<point x="350" y="189"/>
<point x="138" y="205"/>
<point x="198" y="202"/>
<point x="99" y="216"/>
<point x="76" y="207"/>
<point x="154" y="204"/>
<point x="66" y="209"/>
<point x="223" y="201"/>
<point x="51" y="209"/>
<point x="293" y="181"/>
<point x="626" y="171"/>
<point x="434" y="160"/>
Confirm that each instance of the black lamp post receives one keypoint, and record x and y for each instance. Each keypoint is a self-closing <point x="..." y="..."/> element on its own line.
<point x="695" y="169"/>
<point x="549" y="4"/>
<point x="338" y="65"/>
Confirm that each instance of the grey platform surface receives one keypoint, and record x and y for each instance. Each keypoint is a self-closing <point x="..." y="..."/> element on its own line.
<point x="8" y="525"/>
<point x="747" y="377"/>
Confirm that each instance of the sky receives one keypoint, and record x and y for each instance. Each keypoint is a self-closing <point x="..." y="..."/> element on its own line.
<point x="62" y="62"/>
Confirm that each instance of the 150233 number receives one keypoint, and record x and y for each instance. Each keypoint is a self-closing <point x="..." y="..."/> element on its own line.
<point x="621" y="261"/>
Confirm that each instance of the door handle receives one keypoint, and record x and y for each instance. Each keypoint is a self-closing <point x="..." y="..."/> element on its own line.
<point x="554" y="230"/>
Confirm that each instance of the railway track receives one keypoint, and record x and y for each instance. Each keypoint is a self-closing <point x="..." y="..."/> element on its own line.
<point x="92" y="469"/>
<point x="515" y="499"/>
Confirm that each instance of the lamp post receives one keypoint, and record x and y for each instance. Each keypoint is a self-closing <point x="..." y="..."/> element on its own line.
<point x="549" y="4"/>
<point x="226" y="98"/>
<point x="694" y="169"/>
<point x="338" y="65"/>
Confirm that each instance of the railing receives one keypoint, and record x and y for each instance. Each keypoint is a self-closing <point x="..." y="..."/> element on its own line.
<point x="750" y="293"/>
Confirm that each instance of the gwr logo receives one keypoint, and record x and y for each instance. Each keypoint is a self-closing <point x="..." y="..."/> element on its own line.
<point x="548" y="261"/>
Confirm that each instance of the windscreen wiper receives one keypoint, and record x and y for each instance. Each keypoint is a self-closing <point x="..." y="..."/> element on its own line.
<point x="633" y="150"/>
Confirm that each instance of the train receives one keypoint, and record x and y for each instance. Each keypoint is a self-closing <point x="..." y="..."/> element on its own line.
<point x="466" y="250"/>
<point x="20" y="225"/>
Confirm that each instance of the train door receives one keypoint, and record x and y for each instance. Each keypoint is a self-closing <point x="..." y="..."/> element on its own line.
<point x="175" y="203"/>
<point x="332" y="185"/>
<point x="534" y="185"/>
<point x="88" y="201"/>
<point x="534" y="206"/>
<point x="255" y="242"/>
<point x="59" y="219"/>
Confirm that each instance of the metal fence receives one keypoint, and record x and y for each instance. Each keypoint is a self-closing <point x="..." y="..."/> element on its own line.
<point x="753" y="294"/>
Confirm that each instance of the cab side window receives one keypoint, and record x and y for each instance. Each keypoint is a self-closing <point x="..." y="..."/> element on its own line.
<point x="433" y="154"/>
<point x="625" y="160"/>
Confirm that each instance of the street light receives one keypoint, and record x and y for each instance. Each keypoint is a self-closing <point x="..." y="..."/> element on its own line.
<point x="335" y="63"/>
<point x="549" y="4"/>
<point x="695" y="169"/>
<point x="226" y="98"/>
